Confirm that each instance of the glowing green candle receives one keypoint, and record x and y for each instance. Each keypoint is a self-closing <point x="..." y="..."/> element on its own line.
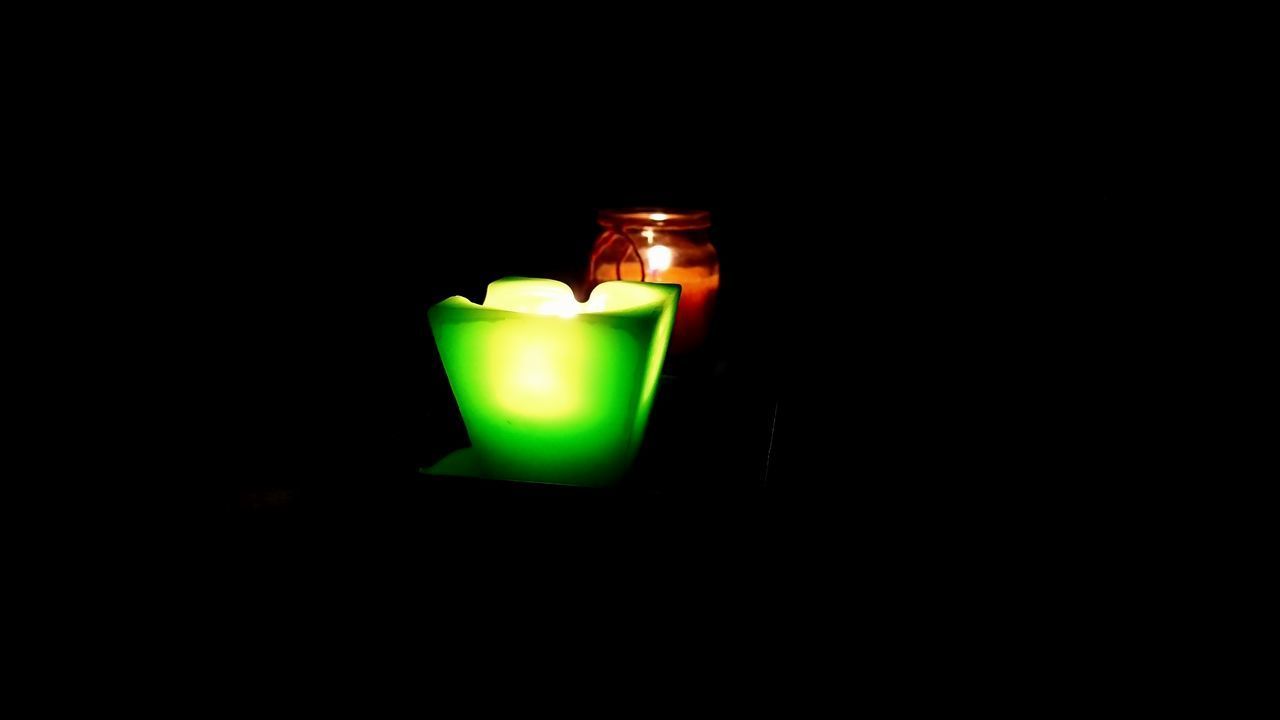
<point x="553" y="390"/>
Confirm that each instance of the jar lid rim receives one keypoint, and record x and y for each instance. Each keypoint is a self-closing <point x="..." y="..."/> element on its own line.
<point x="655" y="218"/>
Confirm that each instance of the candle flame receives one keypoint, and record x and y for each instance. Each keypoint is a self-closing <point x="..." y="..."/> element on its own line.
<point x="660" y="258"/>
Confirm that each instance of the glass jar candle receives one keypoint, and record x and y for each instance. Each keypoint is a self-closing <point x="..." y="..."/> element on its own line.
<point x="664" y="246"/>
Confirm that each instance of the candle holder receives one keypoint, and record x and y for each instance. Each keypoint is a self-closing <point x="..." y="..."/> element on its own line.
<point x="663" y="246"/>
<point x="552" y="390"/>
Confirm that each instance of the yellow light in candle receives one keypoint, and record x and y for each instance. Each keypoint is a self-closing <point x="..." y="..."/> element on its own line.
<point x="659" y="258"/>
<point x="563" y="308"/>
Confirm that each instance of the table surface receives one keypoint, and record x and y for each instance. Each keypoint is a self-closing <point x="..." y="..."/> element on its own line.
<point x="710" y="438"/>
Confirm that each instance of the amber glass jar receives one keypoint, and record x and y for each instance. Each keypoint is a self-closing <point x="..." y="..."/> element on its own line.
<point x="667" y="246"/>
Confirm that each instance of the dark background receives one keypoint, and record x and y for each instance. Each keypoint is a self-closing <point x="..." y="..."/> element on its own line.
<point x="896" y="334"/>
<point x="882" y="307"/>
<point x="905" y="257"/>
<point x="887" y="332"/>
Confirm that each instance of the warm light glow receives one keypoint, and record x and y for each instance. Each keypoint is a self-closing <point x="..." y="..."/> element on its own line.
<point x="658" y="217"/>
<point x="540" y="297"/>
<point x="547" y="399"/>
<point x="660" y="258"/>
<point x="532" y="368"/>
<point x="561" y="307"/>
<point x="648" y="235"/>
<point x="568" y="307"/>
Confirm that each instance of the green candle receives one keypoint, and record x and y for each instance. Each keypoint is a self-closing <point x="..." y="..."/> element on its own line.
<point x="552" y="390"/>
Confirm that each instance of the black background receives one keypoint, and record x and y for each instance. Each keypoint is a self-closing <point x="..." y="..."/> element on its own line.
<point x="900" y="323"/>
<point x="908" y="244"/>
<point x="891" y="323"/>
<point x="884" y="302"/>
